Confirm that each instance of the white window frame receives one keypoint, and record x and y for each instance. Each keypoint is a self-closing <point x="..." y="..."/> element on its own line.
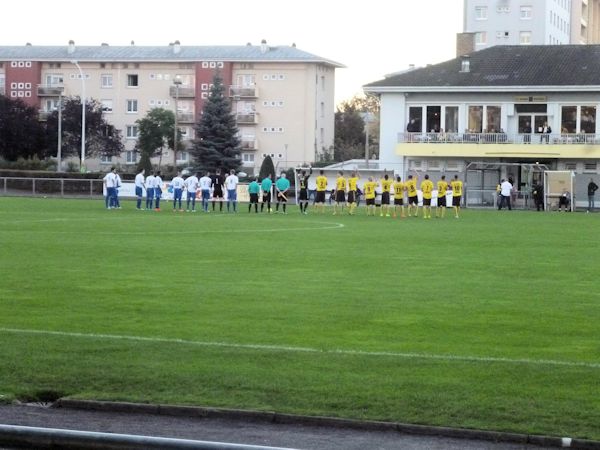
<point x="131" y="132"/>
<point x="130" y="79"/>
<point x="106" y="81"/>
<point x="525" y="38"/>
<point x="481" y="38"/>
<point x="525" y="12"/>
<point x="132" y="106"/>
<point x="130" y="157"/>
<point x="107" y="105"/>
<point x="481" y="13"/>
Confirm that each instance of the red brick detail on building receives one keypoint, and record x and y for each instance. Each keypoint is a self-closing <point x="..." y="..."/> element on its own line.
<point x="205" y="73"/>
<point x="22" y="79"/>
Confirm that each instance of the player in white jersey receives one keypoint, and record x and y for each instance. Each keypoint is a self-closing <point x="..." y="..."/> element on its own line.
<point x="157" y="190"/>
<point x="177" y="185"/>
<point x="191" y="185"/>
<point x="149" y="191"/>
<point x="205" y="184"/>
<point x="231" y="183"/>
<point x="139" y="188"/>
<point x="110" y="183"/>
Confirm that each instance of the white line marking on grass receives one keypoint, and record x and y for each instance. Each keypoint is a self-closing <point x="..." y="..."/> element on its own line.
<point x="284" y="348"/>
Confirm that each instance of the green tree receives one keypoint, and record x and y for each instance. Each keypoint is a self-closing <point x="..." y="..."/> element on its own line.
<point x="217" y="145"/>
<point x="101" y="137"/>
<point x="350" y="118"/>
<point x="267" y="168"/>
<point x="21" y="135"/>
<point x="155" y="132"/>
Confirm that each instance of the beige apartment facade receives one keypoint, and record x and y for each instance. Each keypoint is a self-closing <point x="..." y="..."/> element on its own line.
<point x="282" y="97"/>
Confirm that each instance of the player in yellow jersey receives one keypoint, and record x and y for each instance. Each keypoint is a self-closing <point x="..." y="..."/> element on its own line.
<point x="442" y="187"/>
<point x="457" y="187"/>
<point x="321" y="189"/>
<point x="352" y="188"/>
<point x="427" y="190"/>
<point x="340" y="193"/>
<point x="411" y="192"/>
<point x="386" y="185"/>
<point x="369" y="190"/>
<point x="398" y="196"/>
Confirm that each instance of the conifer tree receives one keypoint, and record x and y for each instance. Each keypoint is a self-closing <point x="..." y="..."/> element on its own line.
<point x="217" y="145"/>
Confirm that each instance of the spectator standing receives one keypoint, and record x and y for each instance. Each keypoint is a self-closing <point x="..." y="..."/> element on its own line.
<point x="505" y="192"/>
<point x="592" y="188"/>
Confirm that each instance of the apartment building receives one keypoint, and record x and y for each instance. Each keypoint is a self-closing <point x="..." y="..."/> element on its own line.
<point x="528" y="22"/>
<point x="283" y="97"/>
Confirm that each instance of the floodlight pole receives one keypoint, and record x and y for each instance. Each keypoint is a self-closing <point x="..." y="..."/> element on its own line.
<point x="59" y="144"/>
<point x="177" y="83"/>
<point x="82" y="164"/>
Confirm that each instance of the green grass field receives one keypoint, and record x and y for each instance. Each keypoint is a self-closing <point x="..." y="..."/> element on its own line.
<point x="491" y="321"/>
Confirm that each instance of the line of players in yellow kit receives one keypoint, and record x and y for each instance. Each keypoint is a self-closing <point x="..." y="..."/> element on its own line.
<point x="389" y="185"/>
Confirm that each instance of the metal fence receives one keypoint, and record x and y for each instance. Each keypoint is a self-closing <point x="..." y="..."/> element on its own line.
<point x="55" y="187"/>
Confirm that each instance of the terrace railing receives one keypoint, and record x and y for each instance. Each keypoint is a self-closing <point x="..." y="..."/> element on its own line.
<point x="499" y="138"/>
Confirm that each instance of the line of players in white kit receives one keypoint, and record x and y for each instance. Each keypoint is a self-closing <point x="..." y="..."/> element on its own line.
<point x="206" y="183"/>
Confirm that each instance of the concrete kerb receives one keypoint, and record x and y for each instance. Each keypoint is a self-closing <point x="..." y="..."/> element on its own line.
<point x="367" y="425"/>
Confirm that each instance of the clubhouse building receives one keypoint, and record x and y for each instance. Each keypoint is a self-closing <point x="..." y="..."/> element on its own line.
<point x="505" y="111"/>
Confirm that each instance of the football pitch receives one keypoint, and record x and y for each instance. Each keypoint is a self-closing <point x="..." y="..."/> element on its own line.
<point x="491" y="321"/>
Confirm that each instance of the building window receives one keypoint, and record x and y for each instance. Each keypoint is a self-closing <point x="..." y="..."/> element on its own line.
<point x="492" y="116"/>
<point x="105" y="159"/>
<point x="475" y="119"/>
<point x="131" y="132"/>
<point x="132" y="80"/>
<point x="525" y="12"/>
<point x="132" y="106"/>
<point x="248" y="158"/>
<point x="322" y="109"/>
<point x="451" y="125"/>
<point x="480" y="38"/>
<point x="481" y="13"/>
<point x="525" y="38"/>
<point x="183" y="157"/>
<point x="568" y="119"/>
<point x="106" y="80"/>
<point x="415" y="119"/>
<point x="588" y="119"/>
<point x="107" y="105"/>
<point x="130" y="157"/>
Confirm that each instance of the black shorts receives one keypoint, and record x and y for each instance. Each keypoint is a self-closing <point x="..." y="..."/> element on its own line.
<point x="426" y="202"/>
<point x="385" y="198"/>
<point x="253" y="198"/>
<point x="398" y="201"/>
<point x="320" y="197"/>
<point x="281" y="197"/>
<point x="351" y="196"/>
<point x="266" y="196"/>
<point x="442" y="200"/>
<point x="414" y="200"/>
<point x="563" y="201"/>
<point x="218" y="192"/>
<point x="303" y="195"/>
<point x="370" y="201"/>
<point x="456" y="201"/>
<point x="340" y="196"/>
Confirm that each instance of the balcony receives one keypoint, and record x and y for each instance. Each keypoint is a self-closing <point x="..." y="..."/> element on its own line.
<point x="246" y="118"/>
<point x="498" y="138"/>
<point x="249" y="144"/>
<point x="184" y="92"/>
<point x="185" y="117"/>
<point x="243" y="91"/>
<point x="50" y="90"/>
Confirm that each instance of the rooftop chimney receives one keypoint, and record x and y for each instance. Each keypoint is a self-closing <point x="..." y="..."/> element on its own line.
<point x="104" y="44"/>
<point x="176" y="47"/>
<point x="71" y="48"/>
<point x="263" y="46"/>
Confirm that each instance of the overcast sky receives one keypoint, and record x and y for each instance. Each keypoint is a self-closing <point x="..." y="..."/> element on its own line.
<point x="372" y="38"/>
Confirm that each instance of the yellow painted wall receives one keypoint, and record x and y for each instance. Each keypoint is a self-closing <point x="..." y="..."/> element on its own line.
<point x="569" y="151"/>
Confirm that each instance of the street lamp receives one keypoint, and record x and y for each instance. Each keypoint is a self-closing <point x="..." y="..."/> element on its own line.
<point x="368" y="118"/>
<point x="59" y="145"/>
<point x="82" y="164"/>
<point x="177" y="83"/>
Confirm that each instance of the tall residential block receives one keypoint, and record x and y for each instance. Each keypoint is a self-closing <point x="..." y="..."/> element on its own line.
<point x="530" y="22"/>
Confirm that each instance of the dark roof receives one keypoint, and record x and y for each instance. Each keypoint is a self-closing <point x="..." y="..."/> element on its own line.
<point x="507" y="65"/>
<point x="232" y="53"/>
